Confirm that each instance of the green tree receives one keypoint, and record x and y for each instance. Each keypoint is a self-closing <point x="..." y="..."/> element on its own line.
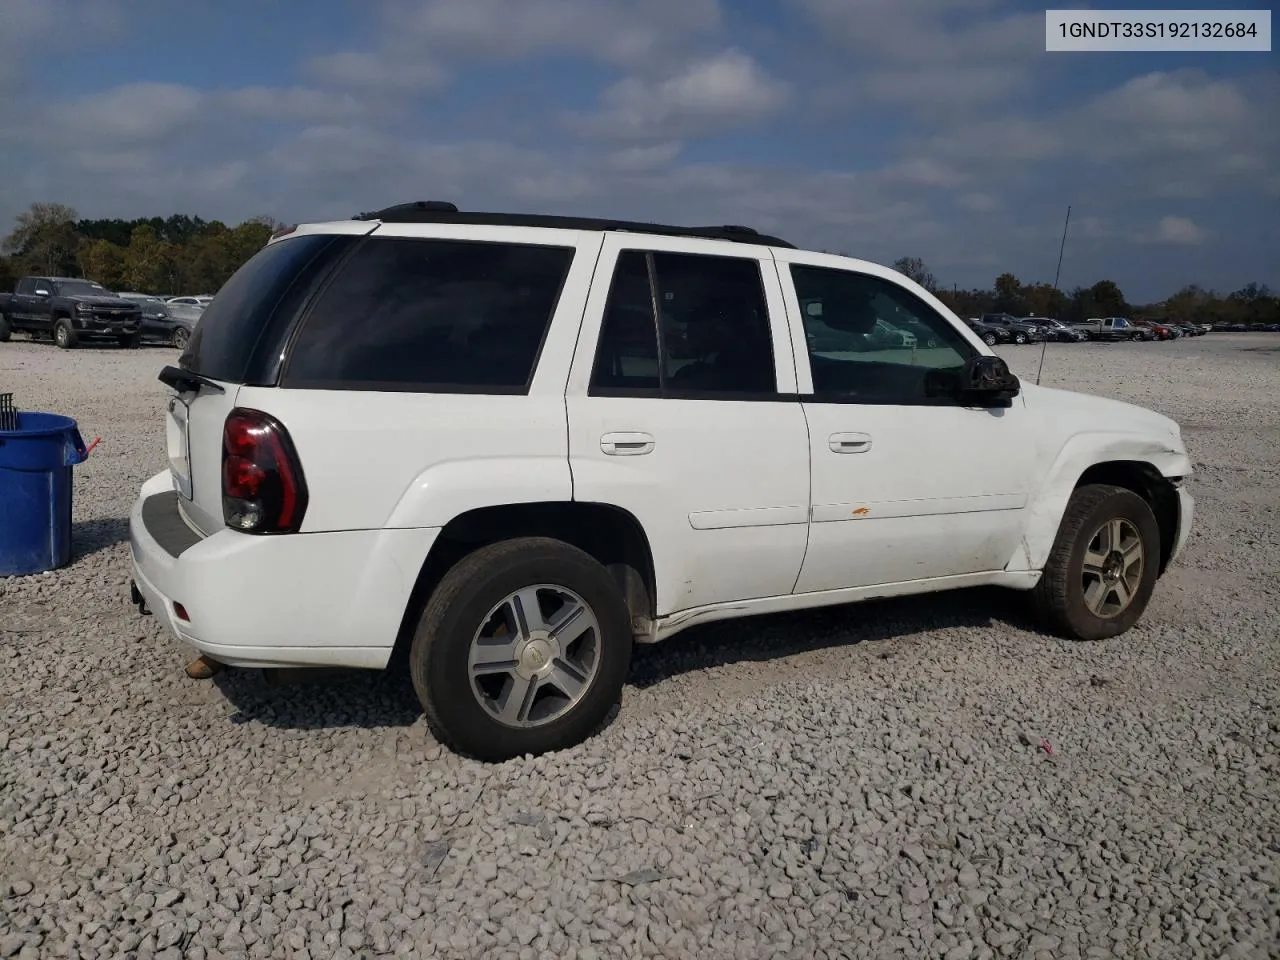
<point x="45" y="240"/>
<point x="1044" y="300"/>
<point x="1009" y="294"/>
<point x="1107" y="300"/>
<point x="103" y="261"/>
<point x="146" y="261"/>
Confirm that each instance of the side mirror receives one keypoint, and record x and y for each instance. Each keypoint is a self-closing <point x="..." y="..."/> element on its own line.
<point x="42" y="292"/>
<point x="988" y="381"/>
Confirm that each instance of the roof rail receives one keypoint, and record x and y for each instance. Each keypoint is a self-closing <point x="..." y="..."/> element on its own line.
<point x="441" y="211"/>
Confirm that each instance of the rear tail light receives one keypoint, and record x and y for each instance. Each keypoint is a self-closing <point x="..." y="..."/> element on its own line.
<point x="263" y="490"/>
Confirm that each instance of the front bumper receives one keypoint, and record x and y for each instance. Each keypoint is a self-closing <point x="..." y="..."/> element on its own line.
<point x="317" y="599"/>
<point x="1186" y="515"/>
<point x="89" y="326"/>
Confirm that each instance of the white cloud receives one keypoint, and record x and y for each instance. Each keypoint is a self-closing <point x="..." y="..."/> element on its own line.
<point x="645" y="158"/>
<point x="979" y="202"/>
<point x="721" y="92"/>
<point x="619" y="31"/>
<point x="292" y="103"/>
<point x="1180" y="230"/>
<point x="368" y="71"/>
<point x="133" y="111"/>
<point x="423" y="42"/>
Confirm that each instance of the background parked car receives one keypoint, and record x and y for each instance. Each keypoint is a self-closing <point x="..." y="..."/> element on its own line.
<point x="1160" y="331"/>
<point x="990" y="333"/>
<point x="1056" y="331"/>
<point x="193" y="302"/>
<point x="1111" y="328"/>
<point x="1020" y="330"/>
<point x="69" y="310"/>
<point x="162" y="324"/>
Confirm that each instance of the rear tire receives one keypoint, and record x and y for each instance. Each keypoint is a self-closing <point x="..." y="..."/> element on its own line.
<point x="64" y="334"/>
<point x="566" y="665"/>
<point x="180" y="337"/>
<point x="1103" y="566"/>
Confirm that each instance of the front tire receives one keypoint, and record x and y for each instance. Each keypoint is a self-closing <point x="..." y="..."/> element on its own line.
<point x="1019" y="338"/>
<point x="64" y="334"/>
<point x="5" y="330"/>
<point x="1103" y="566"/>
<point x="989" y="339"/>
<point x="523" y="648"/>
<point x="131" y="341"/>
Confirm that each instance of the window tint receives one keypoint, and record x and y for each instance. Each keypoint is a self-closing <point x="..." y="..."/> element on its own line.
<point x="224" y="341"/>
<point x="627" y="354"/>
<point x="26" y="285"/>
<point x="711" y="336"/>
<point x="872" y="341"/>
<point x="431" y="315"/>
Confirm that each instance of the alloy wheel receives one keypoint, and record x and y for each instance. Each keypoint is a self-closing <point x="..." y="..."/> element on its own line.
<point x="1112" y="568"/>
<point x="535" y="656"/>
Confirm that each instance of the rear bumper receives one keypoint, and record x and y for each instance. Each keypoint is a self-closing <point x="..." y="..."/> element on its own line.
<point x="317" y="599"/>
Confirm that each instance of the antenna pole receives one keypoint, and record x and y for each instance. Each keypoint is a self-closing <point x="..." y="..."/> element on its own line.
<point x="1044" y="346"/>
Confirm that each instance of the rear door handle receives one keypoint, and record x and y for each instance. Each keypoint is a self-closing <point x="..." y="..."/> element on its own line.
<point x="850" y="442"/>
<point x="626" y="444"/>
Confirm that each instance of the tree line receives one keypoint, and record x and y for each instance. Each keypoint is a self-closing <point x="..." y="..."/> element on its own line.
<point x="171" y="255"/>
<point x="186" y="254"/>
<point x="1252" y="304"/>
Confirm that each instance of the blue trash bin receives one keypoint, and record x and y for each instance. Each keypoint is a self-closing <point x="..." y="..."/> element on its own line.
<point x="35" y="492"/>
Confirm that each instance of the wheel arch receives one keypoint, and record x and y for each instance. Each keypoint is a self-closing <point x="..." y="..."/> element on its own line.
<point x="1150" y="469"/>
<point x="610" y="534"/>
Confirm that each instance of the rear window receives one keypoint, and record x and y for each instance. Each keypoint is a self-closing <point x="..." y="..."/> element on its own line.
<point x="442" y="316"/>
<point x="226" y="339"/>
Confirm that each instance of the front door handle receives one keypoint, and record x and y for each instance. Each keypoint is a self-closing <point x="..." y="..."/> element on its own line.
<point x="626" y="444"/>
<point x="850" y="442"/>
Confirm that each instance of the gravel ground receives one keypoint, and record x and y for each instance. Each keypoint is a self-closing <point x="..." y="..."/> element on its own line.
<point x="860" y="782"/>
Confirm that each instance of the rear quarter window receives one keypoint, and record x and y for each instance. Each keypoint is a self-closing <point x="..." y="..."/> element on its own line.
<point x="433" y="316"/>
<point x="255" y="307"/>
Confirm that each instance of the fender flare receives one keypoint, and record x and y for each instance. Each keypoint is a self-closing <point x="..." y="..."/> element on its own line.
<point x="451" y="488"/>
<point x="1082" y="451"/>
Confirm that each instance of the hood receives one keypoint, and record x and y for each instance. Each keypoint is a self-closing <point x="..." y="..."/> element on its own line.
<point x="1090" y="412"/>
<point x="116" y="302"/>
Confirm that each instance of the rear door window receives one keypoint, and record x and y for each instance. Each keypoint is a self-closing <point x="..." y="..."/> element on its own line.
<point x="435" y="316"/>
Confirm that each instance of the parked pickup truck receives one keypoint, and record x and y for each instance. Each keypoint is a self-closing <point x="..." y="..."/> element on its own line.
<point x="67" y="311"/>
<point x="1111" y="328"/>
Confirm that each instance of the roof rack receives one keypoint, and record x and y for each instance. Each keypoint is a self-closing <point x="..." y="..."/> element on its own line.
<point x="441" y="211"/>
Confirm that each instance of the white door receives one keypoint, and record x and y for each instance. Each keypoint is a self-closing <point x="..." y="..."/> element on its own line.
<point x="907" y="483"/>
<point x="683" y="411"/>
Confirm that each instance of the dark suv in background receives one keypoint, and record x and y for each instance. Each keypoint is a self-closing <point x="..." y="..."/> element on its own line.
<point x="1020" y="331"/>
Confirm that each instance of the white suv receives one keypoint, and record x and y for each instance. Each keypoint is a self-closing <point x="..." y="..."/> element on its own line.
<point x="512" y="446"/>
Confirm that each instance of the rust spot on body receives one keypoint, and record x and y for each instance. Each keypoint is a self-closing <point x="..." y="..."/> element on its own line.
<point x="861" y="512"/>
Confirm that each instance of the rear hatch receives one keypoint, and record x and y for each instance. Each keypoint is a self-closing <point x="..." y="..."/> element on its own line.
<point x="239" y="340"/>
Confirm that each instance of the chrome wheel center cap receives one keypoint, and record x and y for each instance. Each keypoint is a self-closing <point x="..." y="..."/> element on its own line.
<point x="537" y="655"/>
<point x="1114" y="568"/>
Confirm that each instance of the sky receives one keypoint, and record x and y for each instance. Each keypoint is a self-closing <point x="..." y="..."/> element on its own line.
<point x="938" y="129"/>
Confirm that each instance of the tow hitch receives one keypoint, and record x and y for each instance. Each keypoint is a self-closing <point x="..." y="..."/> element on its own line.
<point x="139" y="601"/>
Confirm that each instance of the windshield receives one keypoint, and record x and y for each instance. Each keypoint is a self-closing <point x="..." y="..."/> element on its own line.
<point x="82" y="288"/>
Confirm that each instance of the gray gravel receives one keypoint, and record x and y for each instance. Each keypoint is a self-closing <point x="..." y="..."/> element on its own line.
<point x="861" y="782"/>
